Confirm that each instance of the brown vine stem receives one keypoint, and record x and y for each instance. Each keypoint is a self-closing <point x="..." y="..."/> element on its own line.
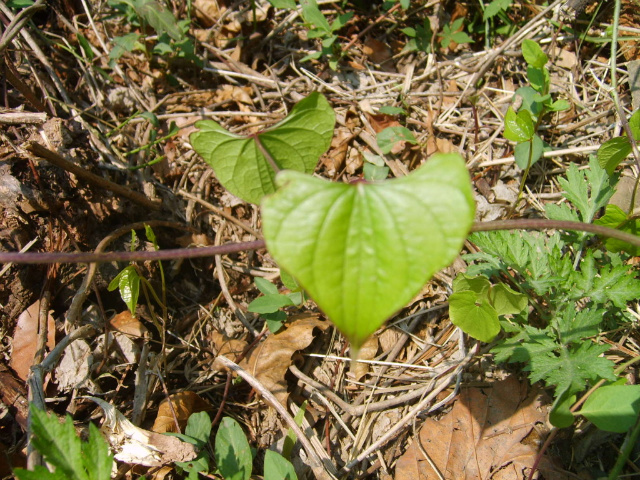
<point x="182" y="253"/>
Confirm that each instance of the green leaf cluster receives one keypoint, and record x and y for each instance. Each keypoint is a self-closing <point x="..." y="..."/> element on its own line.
<point x="71" y="458"/>
<point x="419" y="37"/>
<point x="476" y="305"/>
<point x="172" y="38"/>
<point x="234" y="460"/>
<point x="453" y="33"/>
<point x="521" y="127"/>
<point x="269" y="305"/>
<point x="232" y="454"/>
<point x="574" y="292"/>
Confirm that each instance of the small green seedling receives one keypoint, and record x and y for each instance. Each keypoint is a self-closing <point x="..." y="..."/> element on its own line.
<point x="325" y="31"/>
<point x="453" y="34"/>
<point x="232" y="455"/>
<point x="270" y="305"/>
<point x="172" y="39"/>
<point x="419" y="37"/>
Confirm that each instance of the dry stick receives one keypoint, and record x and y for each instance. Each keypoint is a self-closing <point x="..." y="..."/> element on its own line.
<point x="181" y="253"/>
<point x="21" y="118"/>
<point x="57" y="160"/>
<point x="322" y="468"/>
<point x="73" y="314"/>
<point x="409" y="416"/>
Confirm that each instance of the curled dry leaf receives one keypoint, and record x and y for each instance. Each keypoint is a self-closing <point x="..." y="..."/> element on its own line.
<point x="491" y="432"/>
<point x="230" y="348"/>
<point x="127" y="324"/>
<point x="184" y="404"/>
<point x="271" y="359"/>
<point x="137" y="446"/>
<point x="25" y="339"/>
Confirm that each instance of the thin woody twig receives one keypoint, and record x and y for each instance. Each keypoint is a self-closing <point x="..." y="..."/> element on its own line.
<point x="57" y="160"/>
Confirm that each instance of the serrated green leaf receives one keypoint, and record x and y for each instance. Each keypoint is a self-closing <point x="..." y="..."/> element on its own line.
<point x="612" y="152"/>
<point x="159" y="17"/>
<point x="276" y="467"/>
<point x="533" y="54"/>
<point x="58" y="443"/>
<point x="358" y="249"/>
<point x="265" y="286"/>
<point x="39" y="473"/>
<point x="388" y="137"/>
<point x="574" y="327"/>
<point x="523" y="153"/>
<point x="269" y="303"/>
<point x="507" y="301"/>
<point x="518" y="127"/>
<point x="589" y="195"/>
<point x="296" y="143"/>
<point x="613" y="408"/>
<point x="614" y="217"/>
<point x="232" y="452"/>
<point x="97" y="458"/>
<point x="569" y="370"/>
<point x="476" y="317"/>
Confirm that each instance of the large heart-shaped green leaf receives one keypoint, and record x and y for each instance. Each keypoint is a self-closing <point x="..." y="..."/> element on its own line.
<point x="241" y="163"/>
<point x="363" y="250"/>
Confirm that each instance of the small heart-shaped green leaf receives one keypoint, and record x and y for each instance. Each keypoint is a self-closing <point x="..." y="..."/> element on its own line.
<point x="476" y="317"/>
<point x="363" y="250"/>
<point x="296" y="143"/>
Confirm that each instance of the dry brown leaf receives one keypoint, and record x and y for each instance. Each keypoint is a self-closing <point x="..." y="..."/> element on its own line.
<point x="184" y="404"/>
<point x="489" y="433"/>
<point x="334" y="159"/>
<point x="25" y="339"/>
<point x="381" y="121"/>
<point x="376" y="51"/>
<point x="207" y="12"/>
<point x="368" y="351"/>
<point x="126" y="323"/>
<point x="271" y="359"/>
<point x="442" y="145"/>
<point x="230" y="348"/>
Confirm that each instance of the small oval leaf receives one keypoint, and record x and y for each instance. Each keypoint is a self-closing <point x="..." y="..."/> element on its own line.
<point x="362" y="251"/>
